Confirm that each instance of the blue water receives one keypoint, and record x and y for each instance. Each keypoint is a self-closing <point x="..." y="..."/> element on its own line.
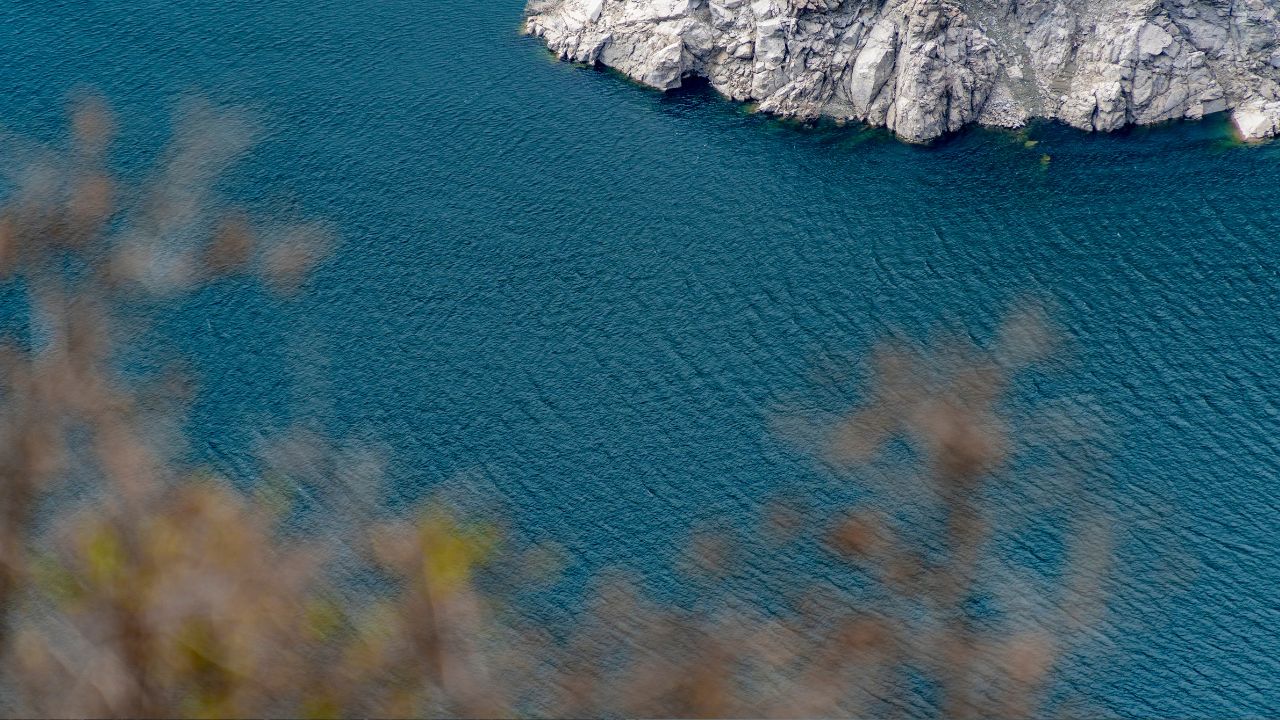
<point x="592" y="297"/>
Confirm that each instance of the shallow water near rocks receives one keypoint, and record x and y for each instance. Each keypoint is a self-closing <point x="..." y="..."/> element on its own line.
<point x="591" y="298"/>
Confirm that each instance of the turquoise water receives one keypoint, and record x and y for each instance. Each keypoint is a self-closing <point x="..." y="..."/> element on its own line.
<point x="590" y="297"/>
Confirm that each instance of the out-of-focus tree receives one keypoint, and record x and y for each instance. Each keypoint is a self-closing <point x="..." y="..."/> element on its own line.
<point x="169" y="593"/>
<point x="828" y="655"/>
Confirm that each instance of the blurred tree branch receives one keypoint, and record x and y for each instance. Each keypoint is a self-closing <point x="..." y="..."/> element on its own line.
<point x="170" y="594"/>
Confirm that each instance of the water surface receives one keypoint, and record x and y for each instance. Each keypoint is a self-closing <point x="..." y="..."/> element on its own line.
<point x="591" y="295"/>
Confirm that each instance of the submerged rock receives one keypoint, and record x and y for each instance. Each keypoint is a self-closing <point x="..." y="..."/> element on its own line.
<point x="923" y="68"/>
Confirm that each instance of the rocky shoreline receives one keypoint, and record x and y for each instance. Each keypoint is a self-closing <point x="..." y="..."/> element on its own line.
<point x="924" y="68"/>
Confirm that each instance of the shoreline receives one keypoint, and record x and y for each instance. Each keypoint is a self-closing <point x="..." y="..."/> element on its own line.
<point x="926" y="68"/>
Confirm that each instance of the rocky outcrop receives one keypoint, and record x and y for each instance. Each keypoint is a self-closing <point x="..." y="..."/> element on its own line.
<point x="923" y="68"/>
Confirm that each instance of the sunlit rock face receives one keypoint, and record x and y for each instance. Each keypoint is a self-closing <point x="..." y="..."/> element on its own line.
<point x="923" y="68"/>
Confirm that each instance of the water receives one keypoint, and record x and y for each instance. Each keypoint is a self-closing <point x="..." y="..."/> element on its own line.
<point x="591" y="296"/>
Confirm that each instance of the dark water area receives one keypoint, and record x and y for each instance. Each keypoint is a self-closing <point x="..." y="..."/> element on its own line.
<point x="591" y="298"/>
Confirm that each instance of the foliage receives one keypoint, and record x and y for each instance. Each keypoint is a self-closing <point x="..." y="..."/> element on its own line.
<point x="167" y="593"/>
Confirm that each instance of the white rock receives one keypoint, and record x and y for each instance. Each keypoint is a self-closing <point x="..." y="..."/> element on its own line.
<point x="874" y="66"/>
<point x="926" y="67"/>
<point x="771" y="45"/>
<point x="1152" y="39"/>
<point x="580" y="13"/>
<point x="665" y="69"/>
<point x="763" y="8"/>
<point x="1257" y="119"/>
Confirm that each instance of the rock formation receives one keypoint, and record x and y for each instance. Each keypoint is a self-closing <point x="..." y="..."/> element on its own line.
<point x="923" y="68"/>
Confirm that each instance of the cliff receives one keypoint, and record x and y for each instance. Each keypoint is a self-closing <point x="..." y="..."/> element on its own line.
<point x="923" y="68"/>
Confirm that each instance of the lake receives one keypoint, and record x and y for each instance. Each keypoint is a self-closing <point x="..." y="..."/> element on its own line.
<point x="592" y="299"/>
